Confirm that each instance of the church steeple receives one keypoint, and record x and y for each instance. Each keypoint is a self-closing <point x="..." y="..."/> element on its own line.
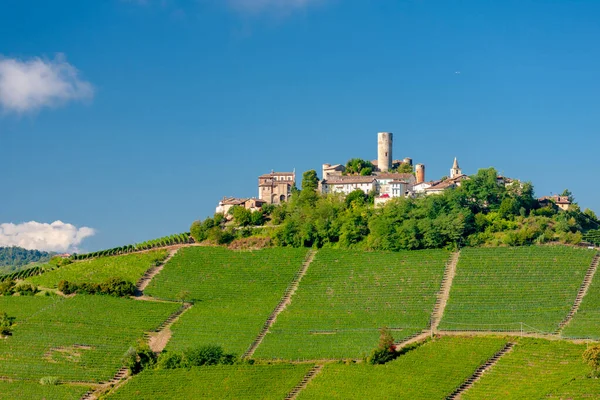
<point x="455" y="170"/>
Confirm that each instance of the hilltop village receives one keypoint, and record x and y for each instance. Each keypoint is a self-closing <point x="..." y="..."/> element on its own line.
<point x="385" y="178"/>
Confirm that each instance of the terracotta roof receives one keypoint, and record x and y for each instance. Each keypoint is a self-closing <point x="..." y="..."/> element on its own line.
<point x="276" y="174"/>
<point x="556" y="198"/>
<point x="347" y="179"/>
<point x="394" y="175"/>
<point x="443" y="185"/>
<point x="233" y="201"/>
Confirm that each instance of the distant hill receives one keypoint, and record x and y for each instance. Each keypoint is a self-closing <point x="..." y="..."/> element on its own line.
<point x="16" y="258"/>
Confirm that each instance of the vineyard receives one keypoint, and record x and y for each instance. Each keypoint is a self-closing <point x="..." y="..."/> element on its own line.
<point x="346" y="296"/>
<point x="498" y="289"/>
<point x="26" y="273"/>
<point x="182" y="238"/>
<point x="77" y="339"/>
<point x="593" y="237"/>
<point x="537" y="369"/>
<point x="233" y="292"/>
<point x="432" y="371"/>
<point x="227" y="382"/>
<point x="331" y="319"/>
<point x="586" y="322"/>
<point x="128" y="267"/>
<point x="33" y="390"/>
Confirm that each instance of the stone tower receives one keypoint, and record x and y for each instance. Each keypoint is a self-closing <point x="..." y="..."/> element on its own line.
<point x="384" y="151"/>
<point x="455" y="170"/>
<point x="420" y="173"/>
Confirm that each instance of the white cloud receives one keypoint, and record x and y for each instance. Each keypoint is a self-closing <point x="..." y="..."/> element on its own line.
<point x="28" y="85"/>
<point x="57" y="236"/>
<point x="277" y="6"/>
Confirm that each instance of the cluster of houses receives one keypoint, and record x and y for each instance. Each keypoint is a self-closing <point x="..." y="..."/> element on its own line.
<point x="385" y="181"/>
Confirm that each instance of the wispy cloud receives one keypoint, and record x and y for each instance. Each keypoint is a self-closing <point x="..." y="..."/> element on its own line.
<point x="28" y="85"/>
<point x="57" y="236"/>
<point x="274" y="6"/>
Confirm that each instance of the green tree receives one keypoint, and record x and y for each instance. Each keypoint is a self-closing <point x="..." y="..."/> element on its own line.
<point x="241" y="215"/>
<point x="405" y="168"/>
<point x="6" y="324"/>
<point x="310" y="180"/>
<point x="592" y="357"/>
<point x="356" y="166"/>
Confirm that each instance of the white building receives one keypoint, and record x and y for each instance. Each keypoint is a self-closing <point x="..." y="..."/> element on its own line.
<point x="348" y="184"/>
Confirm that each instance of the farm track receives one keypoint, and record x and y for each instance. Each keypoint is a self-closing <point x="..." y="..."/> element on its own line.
<point x="92" y="394"/>
<point x="158" y="341"/>
<point x="283" y="303"/>
<point x="479" y="372"/>
<point x="444" y="293"/>
<point x="585" y="285"/>
<point x="144" y="281"/>
<point x="307" y="378"/>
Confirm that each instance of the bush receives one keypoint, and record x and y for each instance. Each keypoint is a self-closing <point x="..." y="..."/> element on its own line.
<point x="113" y="286"/>
<point x="139" y="358"/>
<point x="592" y="357"/>
<point x="385" y="351"/>
<point x="49" y="380"/>
<point x="6" y="324"/>
<point x="67" y="287"/>
<point x="26" y="289"/>
<point x="170" y="361"/>
<point x="7" y="287"/>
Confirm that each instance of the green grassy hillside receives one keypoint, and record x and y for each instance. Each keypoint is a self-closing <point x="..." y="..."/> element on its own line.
<point x="129" y="267"/>
<point x="537" y="369"/>
<point x="262" y="382"/>
<point x="347" y="296"/>
<point x="432" y="371"/>
<point x="234" y="292"/>
<point x="33" y="390"/>
<point x="80" y="338"/>
<point x="498" y="288"/>
<point x="586" y="322"/>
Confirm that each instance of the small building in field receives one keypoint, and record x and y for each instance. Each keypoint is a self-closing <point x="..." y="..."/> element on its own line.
<point x="561" y="202"/>
<point x="252" y="204"/>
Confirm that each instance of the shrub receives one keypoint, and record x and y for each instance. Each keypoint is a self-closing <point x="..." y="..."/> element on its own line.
<point x="49" y="380"/>
<point x="386" y="350"/>
<point x="170" y="361"/>
<point x="208" y="355"/>
<point x="139" y="358"/>
<point x="592" y="357"/>
<point x="67" y="287"/>
<point x="7" y="287"/>
<point x="26" y="289"/>
<point x="117" y="287"/>
<point x="6" y="324"/>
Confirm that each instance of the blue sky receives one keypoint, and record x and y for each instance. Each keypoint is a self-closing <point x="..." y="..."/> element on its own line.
<point x="134" y="118"/>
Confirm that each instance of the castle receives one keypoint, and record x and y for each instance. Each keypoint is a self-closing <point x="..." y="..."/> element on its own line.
<point x="385" y="180"/>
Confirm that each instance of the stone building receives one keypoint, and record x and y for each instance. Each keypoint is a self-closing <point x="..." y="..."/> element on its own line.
<point x="276" y="187"/>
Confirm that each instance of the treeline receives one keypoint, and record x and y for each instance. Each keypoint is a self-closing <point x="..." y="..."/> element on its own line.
<point x="181" y="238"/>
<point x="481" y="212"/>
<point x="14" y="258"/>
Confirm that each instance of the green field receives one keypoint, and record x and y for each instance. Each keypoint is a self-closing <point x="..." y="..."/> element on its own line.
<point x="586" y="322"/>
<point x="77" y="339"/>
<point x="226" y="382"/>
<point x="347" y="296"/>
<point x="432" y="371"/>
<point x="130" y="267"/>
<point x="34" y="391"/>
<point x="497" y="289"/>
<point x="233" y="292"/>
<point x="537" y="369"/>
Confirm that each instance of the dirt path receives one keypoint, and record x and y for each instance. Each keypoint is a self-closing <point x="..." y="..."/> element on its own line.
<point x="283" y="303"/>
<point x="444" y="293"/>
<point x="152" y="272"/>
<point x="158" y="341"/>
